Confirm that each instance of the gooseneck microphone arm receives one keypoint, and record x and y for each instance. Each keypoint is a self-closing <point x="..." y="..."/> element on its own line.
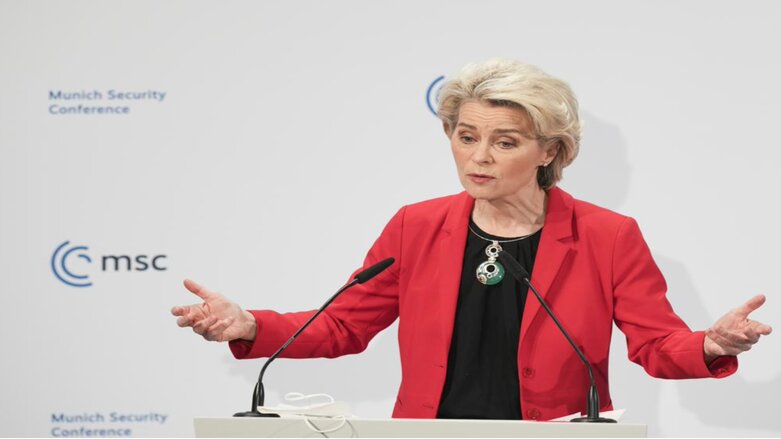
<point x="259" y="394"/>
<point x="592" y="404"/>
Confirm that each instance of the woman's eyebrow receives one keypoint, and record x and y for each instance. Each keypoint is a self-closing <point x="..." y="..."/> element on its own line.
<point x="498" y="130"/>
<point x="466" y="125"/>
<point x="509" y="130"/>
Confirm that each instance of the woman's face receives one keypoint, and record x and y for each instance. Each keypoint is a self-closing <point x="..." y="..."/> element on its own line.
<point x="495" y="152"/>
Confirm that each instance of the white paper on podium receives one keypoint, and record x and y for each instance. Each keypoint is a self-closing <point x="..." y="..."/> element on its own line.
<point x="612" y="414"/>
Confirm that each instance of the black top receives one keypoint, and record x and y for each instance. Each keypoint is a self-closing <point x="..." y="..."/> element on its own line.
<point x="482" y="368"/>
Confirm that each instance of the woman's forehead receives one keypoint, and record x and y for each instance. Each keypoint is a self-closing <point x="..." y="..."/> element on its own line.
<point x="487" y="115"/>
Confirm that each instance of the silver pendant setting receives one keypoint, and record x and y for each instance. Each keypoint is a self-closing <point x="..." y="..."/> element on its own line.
<point x="491" y="272"/>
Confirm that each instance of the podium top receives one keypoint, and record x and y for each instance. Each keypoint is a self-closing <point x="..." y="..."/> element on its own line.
<point x="357" y="427"/>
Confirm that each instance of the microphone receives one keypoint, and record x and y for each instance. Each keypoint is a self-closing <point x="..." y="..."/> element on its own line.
<point x="259" y="394"/>
<point x="374" y="270"/>
<point x="592" y="402"/>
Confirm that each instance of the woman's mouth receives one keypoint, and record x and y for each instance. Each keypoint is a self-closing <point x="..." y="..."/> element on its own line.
<point x="480" y="178"/>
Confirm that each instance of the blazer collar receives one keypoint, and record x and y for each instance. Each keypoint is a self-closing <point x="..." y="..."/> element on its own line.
<point x="457" y="218"/>
<point x="556" y="245"/>
<point x="559" y="216"/>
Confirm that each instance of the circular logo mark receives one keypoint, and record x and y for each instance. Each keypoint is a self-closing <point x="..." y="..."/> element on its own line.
<point x="59" y="264"/>
<point x="432" y="94"/>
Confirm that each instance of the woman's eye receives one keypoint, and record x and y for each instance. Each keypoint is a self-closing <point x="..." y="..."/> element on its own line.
<point x="506" y="145"/>
<point x="467" y="139"/>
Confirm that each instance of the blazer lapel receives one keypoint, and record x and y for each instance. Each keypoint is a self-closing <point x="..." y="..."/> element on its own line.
<point x="451" y="262"/>
<point x="555" y="246"/>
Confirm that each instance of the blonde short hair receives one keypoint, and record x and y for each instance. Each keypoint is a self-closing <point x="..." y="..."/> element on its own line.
<point x="549" y="102"/>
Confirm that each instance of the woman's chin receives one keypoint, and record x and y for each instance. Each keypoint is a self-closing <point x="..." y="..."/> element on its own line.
<point x="481" y="193"/>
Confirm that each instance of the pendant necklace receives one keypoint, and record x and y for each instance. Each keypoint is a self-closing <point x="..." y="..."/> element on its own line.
<point x="491" y="272"/>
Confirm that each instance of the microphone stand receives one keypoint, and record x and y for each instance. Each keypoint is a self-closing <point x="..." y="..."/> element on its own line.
<point x="592" y="402"/>
<point x="259" y="394"/>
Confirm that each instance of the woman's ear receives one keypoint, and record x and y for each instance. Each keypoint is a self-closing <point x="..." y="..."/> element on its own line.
<point x="552" y="150"/>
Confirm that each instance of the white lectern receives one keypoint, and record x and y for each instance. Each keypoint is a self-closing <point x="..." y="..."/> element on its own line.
<point x="297" y="427"/>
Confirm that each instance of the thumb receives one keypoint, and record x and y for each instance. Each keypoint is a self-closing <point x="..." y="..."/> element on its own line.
<point x="751" y="305"/>
<point x="197" y="289"/>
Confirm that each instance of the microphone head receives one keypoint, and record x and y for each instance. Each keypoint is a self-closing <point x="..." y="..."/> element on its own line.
<point x="374" y="270"/>
<point x="512" y="265"/>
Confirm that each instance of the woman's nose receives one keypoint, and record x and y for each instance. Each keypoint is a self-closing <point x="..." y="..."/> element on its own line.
<point x="482" y="153"/>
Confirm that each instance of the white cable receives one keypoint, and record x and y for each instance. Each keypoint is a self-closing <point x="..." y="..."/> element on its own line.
<point x="326" y="409"/>
<point x="314" y="428"/>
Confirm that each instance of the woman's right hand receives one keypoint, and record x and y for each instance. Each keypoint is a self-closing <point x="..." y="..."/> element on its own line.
<point x="217" y="318"/>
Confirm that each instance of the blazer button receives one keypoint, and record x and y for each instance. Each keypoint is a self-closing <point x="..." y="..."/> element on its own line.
<point x="533" y="414"/>
<point x="527" y="372"/>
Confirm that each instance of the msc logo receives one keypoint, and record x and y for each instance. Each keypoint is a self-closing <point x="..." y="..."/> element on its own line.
<point x="71" y="264"/>
<point x="432" y="94"/>
<point x="60" y="269"/>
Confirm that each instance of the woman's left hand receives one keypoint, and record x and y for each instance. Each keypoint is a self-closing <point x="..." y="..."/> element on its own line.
<point x="734" y="333"/>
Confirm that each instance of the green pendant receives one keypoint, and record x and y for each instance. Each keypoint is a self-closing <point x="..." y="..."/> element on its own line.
<point x="490" y="272"/>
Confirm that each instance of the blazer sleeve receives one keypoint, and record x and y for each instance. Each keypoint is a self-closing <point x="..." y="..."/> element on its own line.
<point x="348" y="324"/>
<point x="657" y="338"/>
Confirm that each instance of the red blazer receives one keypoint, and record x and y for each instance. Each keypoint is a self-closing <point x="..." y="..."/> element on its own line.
<point x="592" y="267"/>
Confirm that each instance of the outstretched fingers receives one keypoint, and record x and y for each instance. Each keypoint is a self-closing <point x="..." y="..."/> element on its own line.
<point x="186" y="320"/>
<point x="750" y="306"/>
<point x="198" y="289"/>
<point x="216" y="332"/>
<point x="735" y="332"/>
<point x="203" y="325"/>
<point x="760" y="328"/>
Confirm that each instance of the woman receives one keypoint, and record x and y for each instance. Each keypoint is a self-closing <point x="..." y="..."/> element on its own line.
<point x="472" y="345"/>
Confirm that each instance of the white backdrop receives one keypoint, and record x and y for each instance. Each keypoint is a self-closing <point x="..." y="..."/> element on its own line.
<point x="288" y="135"/>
